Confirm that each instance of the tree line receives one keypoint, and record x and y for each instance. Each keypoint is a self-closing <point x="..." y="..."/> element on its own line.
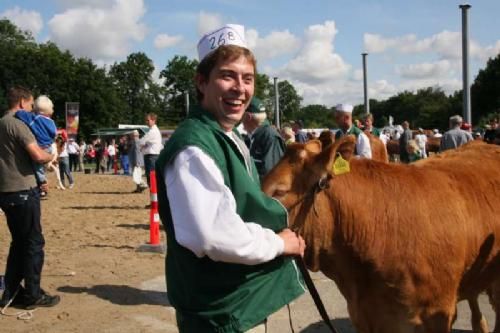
<point x="124" y="92"/>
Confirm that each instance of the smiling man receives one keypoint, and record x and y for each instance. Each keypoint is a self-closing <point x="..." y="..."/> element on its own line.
<point x="228" y="263"/>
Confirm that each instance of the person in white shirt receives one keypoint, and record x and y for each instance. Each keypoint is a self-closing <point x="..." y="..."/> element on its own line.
<point x="151" y="145"/>
<point x="421" y="140"/>
<point x="111" y="154"/>
<point x="226" y="239"/>
<point x="73" y="153"/>
<point x="343" y="117"/>
<point x="62" y="150"/>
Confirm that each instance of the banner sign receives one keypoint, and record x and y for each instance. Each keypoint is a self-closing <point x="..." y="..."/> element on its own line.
<point x="72" y="119"/>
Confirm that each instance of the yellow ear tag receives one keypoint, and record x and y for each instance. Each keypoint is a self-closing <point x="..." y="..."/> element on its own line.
<point x="340" y="166"/>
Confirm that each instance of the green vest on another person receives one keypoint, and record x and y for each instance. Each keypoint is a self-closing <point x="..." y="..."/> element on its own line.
<point x="375" y="132"/>
<point x="353" y="130"/>
<point x="267" y="148"/>
<point x="220" y="297"/>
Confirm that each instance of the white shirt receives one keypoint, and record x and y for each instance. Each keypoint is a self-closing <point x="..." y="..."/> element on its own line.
<point x="111" y="150"/>
<point x="204" y="214"/>
<point x="73" y="147"/>
<point x="151" y="142"/>
<point x="421" y="139"/>
<point x="64" y="151"/>
<point x="363" y="147"/>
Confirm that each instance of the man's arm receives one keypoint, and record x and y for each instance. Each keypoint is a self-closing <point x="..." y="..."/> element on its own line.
<point x="212" y="227"/>
<point x="37" y="154"/>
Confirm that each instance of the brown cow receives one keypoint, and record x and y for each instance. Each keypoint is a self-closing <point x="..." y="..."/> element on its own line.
<point x="403" y="243"/>
<point x="432" y="146"/>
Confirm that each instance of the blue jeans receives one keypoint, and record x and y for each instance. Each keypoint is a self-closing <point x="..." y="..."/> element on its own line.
<point x="125" y="164"/>
<point x="64" y="169"/>
<point x="40" y="169"/>
<point x="26" y="255"/>
<point x="149" y="165"/>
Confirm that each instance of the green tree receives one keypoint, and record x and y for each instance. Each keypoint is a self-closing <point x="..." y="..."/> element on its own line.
<point x="485" y="96"/>
<point x="134" y="81"/>
<point x="289" y="101"/>
<point x="316" y="116"/>
<point x="178" y="78"/>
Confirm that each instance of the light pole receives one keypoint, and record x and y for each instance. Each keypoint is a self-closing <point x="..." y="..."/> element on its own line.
<point x="276" y="103"/>
<point x="365" y="84"/>
<point x="465" y="64"/>
<point x="186" y="100"/>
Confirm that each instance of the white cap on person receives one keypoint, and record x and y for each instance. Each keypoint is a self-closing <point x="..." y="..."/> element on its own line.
<point x="230" y="34"/>
<point x="344" y="108"/>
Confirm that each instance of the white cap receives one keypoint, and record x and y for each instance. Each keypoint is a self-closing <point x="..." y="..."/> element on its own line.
<point x="230" y="34"/>
<point x="344" y="108"/>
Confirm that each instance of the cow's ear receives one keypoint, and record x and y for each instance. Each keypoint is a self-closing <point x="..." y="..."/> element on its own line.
<point x="345" y="146"/>
<point x="313" y="146"/>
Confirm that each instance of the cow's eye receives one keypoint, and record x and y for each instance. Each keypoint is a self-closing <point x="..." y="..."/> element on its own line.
<point x="279" y="193"/>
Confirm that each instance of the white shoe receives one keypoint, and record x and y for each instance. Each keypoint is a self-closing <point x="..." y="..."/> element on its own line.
<point x="71" y="185"/>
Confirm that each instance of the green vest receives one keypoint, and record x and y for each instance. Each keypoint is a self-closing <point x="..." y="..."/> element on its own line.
<point x="214" y="296"/>
<point x="353" y="130"/>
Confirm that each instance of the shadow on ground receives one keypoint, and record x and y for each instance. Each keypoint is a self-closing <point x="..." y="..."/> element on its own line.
<point x="344" y="325"/>
<point x="121" y="247"/>
<point x="108" y="192"/>
<point x="137" y="226"/>
<point x="103" y="207"/>
<point x="120" y="294"/>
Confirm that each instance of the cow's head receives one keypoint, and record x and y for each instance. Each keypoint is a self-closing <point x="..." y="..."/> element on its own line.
<point x="302" y="167"/>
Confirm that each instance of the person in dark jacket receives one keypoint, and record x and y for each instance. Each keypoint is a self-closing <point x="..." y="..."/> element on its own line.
<point x="264" y="142"/>
<point x="405" y="137"/>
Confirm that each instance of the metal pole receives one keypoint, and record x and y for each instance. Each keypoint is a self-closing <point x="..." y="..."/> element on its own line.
<point x="465" y="64"/>
<point x="365" y="84"/>
<point x="276" y="103"/>
<point x="186" y="99"/>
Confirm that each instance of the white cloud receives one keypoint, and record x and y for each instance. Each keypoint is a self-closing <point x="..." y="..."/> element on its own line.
<point x="24" y="19"/>
<point x="103" y="34"/>
<point x="208" y="22"/>
<point x="85" y="3"/>
<point x="275" y="44"/>
<point x="163" y="41"/>
<point x="425" y="70"/>
<point x="446" y="45"/>
<point x="316" y="61"/>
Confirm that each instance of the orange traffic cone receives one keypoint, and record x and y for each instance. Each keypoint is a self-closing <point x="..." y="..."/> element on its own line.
<point x="154" y="244"/>
<point x="154" y="216"/>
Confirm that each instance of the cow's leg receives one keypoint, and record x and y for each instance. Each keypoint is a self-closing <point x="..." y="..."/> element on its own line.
<point x="479" y="324"/>
<point x="494" y="295"/>
<point x="438" y="320"/>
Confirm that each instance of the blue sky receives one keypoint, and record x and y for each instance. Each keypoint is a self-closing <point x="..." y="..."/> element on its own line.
<point x="316" y="44"/>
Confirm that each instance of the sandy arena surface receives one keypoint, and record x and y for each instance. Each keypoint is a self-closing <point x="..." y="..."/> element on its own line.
<point x="92" y="232"/>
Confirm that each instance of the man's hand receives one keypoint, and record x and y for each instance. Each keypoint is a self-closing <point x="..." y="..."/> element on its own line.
<point x="294" y="245"/>
<point x="44" y="187"/>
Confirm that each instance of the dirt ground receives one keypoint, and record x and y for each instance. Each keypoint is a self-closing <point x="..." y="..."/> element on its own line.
<point x="92" y="232"/>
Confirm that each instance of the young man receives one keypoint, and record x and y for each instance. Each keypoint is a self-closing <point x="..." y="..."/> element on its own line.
<point x="228" y="264"/>
<point x="20" y="200"/>
<point x="343" y="117"/>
